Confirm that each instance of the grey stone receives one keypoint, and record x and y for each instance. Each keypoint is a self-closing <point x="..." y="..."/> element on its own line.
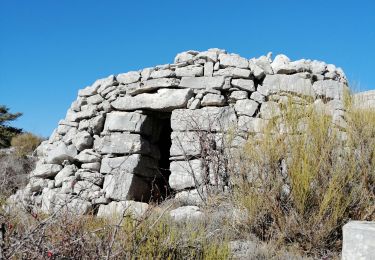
<point x="133" y="164"/>
<point x="195" y="104"/>
<point x="163" y="100"/>
<point x="329" y="89"/>
<point x="318" y="67"/>
<point x="165" y="73"/>
<point x="92" y="177"/>
<point x="128" y="121"/>
<point x="61" y="152"/>
<point x="246" y="107"/>
<point x="269" y="110"/>
<point x="244" y="84"/>
<point x="251" y="124"/>
<point x="66" y="172"/>
<point x="233" y="72"/>
<point x="189" y="71"/>
<point x="94" y="166"/>
<point x="185" y="174"/>
<point x="208" y="69"/>
<point x="206" y="118"/>
<point x="358" y="240"/>
<point x="191" y="197"/>
<point x="281" y="65"/>
<point x="186" y="213"/>
<point x="105" y="83"/>
<point x="273" y="84"/>
<point x="238" y="95"/>
<point x="88" y="91"/>
<point x="257" y="97"/>
<point x="93" y="125"/>
<point x="86" y="113"/>
<point x="207" y="56"/>
<point x="265" y="64"/>
<point x="129" y="77"/>
<point x="88" y="156"/>
<point x="83" y="140"/>
<point x="122" y="143"/>
<point x="185" y="144"/>
<point x="126" y="187"/>
<point x="233" y="60"/>
<point x="123" y="208"/>
<point x="212" y="100"/>
<point x="96" y="99"/>
<point x="202" y="82"/>
<point x="37" y="184"/>
<point x="186" y="56"/>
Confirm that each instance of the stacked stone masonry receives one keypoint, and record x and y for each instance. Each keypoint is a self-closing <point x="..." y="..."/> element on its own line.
<point x="134" y="137"/>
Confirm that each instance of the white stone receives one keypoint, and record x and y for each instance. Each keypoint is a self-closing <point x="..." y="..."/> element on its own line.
<point x="128" y="121"/>
<point x="60" y="152"/>
<point x="251" y="124"/>
<point x="123" y="208"/>
<point x="269" y="110"/>
<point x="96" y="99"/>
<point x="94" y="166"/>
<point x="163" y="100"/>
<point x="238" y="95"/>
<point x="364" y="100"/>
<point x="246" y="107"/>
<point x="212" y="100"/>
<point x="233" y="72"/>
<point x="208" y="69"/>
<point x="68" y="171"/>
<point x="185" y="174"/>
<point x="83" y="140"/>
<point x="233" y="60"/>
<point x="190" y="71"/>
<point x="244" y="84"/>
<point x="258" y="97"/>
<point x="129" y="77"/>
<point x="88" y="156"/>
<point x="202" y="82"/>
<point x="329" y="89"/>
<point x="295" y="84"/>
<point x="166" y="73"/>
<point x="151" y="85"/>
<point x="92" y="177"/>
<point x="132" y="164"/>
<point x="186" y="213"/>
<point x="281" y="65"/>
<point x="358" y="240"/>
<point x="207" y="56"/>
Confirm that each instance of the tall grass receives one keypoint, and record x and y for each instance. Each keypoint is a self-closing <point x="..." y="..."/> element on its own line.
<point x="304" y="178"/>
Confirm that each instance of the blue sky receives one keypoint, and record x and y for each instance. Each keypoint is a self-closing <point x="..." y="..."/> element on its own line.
<point x="49" y="49"/>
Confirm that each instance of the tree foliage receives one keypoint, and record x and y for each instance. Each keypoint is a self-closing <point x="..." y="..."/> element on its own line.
<point x="7" y="131"/>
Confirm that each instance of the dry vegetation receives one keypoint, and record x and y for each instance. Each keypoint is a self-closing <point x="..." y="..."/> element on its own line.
<point x="293" y="187"/>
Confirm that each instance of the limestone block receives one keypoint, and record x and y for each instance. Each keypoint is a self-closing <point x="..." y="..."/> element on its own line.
<point x="120" y="186"/>
<point x="122" y="143"/>
<point x="128" y="121"/>
<point x="95" y="99"/>
<point x="213" y="100"/>
<point x="202" y="82"/>
<point x="129" y="77"/>
<point x="186" y="213"/>
<point x="105" y="83"/>
<point x="37" y="184"/>
<point x="358" y="240"/>
<point x="329" y="88"/>
<point x="92" y="177"/>
<point x="281" y="65"/>
<point x="206" y="118"/>
<point x="364" y="100"/>
<point x="186" y="56"/>
<point x="88" y="91"/>
<point x="66" y="172"/>
<point x="83" y="140"/>
<point x="166" y="73"/>
<point x="244" y="84"/>
<point x="60" y="152"/>
<point x="238" y="95"/>
<point x="207" y="56"/>
<point x="233" y="72"/>
<point x="185" y="174"/>
<point x="246" y="107"/>
<point x="208" y="69"/>
<point x="251" y="124"/>
<point x="258" y="97"/>
<point x="163" y="100"/>
<point x="94" y="166"/>
<point x="269" y="110"/>
<point x="233" y="60"/>
<point x="265" y="64"/>
<point x="151" y="85"/>
<point x="88" y="156"/>
<point x="133" y="164"/>
<point x="318" y="67"/>
<point x="123" y="208"/>
<point x="185" y="143"/>
<point x="294" y="84"/>
<point x="190" y="197"/>
<point x="189" y="71"/>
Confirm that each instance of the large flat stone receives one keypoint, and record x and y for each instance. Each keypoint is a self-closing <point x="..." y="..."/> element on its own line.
<point x="128" y="121"/>
<point x="151" y="85"/>
<point x="185" y="174"/>
<point x="46" y="170"/>
<point x="163" y="100"/>
<point x="202" y="82"/>
<point x="207" y="118"/>
<point x="294" y="84"/>
<point x="134" y="164"/>
<point x="119" y="209"/>
<point x="122" y="143"/>
<point x="329" y="89"/>
<point x="189" y="71"/>
<point x="126" y="186"/>
<point x="233" y="60"/>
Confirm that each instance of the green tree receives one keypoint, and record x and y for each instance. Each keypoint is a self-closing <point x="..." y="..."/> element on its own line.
<point x="7" y="131"/>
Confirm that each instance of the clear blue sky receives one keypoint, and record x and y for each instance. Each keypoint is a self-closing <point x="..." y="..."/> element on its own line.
<point x="49" y="49"/>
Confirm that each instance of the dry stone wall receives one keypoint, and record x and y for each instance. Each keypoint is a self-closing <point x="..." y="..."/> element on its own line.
<point x="135" y="137"/>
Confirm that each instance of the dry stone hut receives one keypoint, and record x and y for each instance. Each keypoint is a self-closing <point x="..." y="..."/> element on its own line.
<point x="134" y="137"/>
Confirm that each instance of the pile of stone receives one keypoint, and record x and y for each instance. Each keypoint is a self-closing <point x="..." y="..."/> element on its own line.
<point x="128" y="137"/>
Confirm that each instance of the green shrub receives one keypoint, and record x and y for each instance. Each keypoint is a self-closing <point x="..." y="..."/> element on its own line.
<point x="25" y="144"/>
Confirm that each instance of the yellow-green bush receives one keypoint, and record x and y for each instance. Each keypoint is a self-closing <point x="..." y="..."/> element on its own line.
<point x="25" y="144"/>
<point x="300" y="185"/>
